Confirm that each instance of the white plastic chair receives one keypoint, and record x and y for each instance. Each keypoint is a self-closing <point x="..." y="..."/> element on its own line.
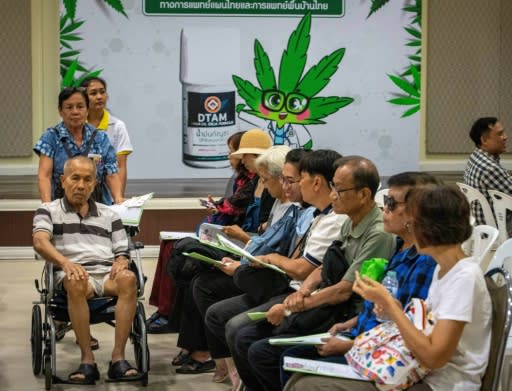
<point x="503" y="259"/>
<point x="499" y="286"/>
<point x="379" y="197"/>
<point x="501" y="202"/>
<point x="480" y="242"/>
<point x="473" y="194"/>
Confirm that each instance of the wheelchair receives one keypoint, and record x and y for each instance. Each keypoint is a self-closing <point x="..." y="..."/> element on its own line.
<point x="44" y="333"/>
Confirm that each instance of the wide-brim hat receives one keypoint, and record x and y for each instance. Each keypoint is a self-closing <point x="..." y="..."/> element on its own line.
<point x="254" y="141"/>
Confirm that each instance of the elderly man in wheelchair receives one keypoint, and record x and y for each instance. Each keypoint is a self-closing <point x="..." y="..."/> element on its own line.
<point x="88" y="246"/>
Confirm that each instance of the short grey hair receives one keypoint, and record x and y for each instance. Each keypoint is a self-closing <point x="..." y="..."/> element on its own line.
<point x="80" y="159"/>
<point x="273" y="159"/>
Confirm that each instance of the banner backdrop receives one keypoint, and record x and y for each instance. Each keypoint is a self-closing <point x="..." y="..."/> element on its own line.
<point x="184" y="75"/>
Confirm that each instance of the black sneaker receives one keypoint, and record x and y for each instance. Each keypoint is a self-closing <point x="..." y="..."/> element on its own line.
<point x="154" y="316"/>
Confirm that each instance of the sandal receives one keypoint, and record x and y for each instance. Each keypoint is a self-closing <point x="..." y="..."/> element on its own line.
<point x="118" y="370"/>
<point x="95" y="345"/>
<point x="180" y="359"/>
<point x="89" y="372"/>
<point x="160" y="326"/>
<point x="192" y="367"/>
<point x="220" y="377"/>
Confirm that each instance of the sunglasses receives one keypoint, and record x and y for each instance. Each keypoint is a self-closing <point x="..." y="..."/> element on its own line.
<point x="391" y="203"/>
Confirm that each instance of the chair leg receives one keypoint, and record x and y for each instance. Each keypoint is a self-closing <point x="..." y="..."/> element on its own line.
<point x="508" y="380"/>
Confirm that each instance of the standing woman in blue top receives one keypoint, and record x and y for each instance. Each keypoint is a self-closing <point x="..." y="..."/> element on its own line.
<point x="72" y="137"/>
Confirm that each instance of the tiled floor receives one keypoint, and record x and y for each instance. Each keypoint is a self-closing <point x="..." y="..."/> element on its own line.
<point x="17" y="292"/>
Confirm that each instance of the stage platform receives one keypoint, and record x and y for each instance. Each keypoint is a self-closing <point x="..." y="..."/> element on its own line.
<point x="175" y="207"/>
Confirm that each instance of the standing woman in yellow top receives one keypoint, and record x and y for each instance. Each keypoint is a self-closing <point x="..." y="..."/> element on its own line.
<point x="101" y="119"/>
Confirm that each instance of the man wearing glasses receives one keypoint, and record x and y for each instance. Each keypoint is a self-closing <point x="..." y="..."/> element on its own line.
<point x="226" y="317"/>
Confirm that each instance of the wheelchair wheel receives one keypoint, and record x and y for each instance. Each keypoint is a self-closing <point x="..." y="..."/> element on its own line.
<point x="47" y="371"/>
<point x="140" y="342"/>
<point x="36" y="340"/>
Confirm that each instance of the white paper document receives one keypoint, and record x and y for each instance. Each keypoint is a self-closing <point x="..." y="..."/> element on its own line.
<point x="316" y="367"/>
<point x="130" y="210"/>
<point x="137" y="201"/>
<point x="240" y="251"/>
<point x="210" y="232"/>
<point x="176" y="235"/>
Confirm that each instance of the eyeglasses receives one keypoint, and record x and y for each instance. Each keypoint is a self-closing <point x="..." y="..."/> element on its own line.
<point x="339" y="191"/>
<point x="287" y="181"/>
<point x="391" y="203"/>
<point x="294" y="102"/>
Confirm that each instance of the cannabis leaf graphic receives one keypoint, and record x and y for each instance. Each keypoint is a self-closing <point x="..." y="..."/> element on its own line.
<point x="291" y="98"/>
<point x="69" y="58"/>
<point x="410" y="88"/>
<point x="376" y="5"/>
<point x="409" y="81"/>
<point x="70" y="7"/>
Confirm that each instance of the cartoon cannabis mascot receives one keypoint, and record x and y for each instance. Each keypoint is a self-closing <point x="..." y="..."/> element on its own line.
<point x="293" y="101"/>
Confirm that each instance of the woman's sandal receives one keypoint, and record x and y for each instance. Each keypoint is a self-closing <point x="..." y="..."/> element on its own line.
<point x="89" y="372"/>
<point x="180" y="359"/>
<point x="95" y="345"/>
<point x="220" y="377"/>
<point x="118" y="370"/>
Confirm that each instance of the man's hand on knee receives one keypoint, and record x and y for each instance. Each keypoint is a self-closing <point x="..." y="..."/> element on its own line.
<point x="74" y="271"/>
<point x="121" y="263"/>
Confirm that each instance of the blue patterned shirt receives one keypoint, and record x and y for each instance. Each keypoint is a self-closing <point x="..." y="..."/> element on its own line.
<point x="52" y="143"/>
<point x="414" y="272"/>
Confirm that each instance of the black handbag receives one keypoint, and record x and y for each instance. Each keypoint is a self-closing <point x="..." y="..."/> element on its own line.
<point x="183" y="268"/>
<point x="320" y="319"/>
<point x="260" y="284"/>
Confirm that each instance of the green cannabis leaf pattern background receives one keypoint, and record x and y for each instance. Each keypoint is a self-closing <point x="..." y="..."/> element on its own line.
<point x="409" y="82"/>
<point x="70" y="63"/>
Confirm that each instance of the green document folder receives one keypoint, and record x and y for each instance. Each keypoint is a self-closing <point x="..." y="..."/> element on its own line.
<point x="204" y="258"/>
<point x="257" y="315"/>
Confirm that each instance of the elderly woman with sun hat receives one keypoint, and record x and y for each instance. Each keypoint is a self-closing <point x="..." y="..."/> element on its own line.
<point x="194" y="356"/>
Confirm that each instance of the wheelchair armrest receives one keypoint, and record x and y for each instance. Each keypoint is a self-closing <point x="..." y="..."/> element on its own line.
<point x="49" y="278"/>
<point x="141" y="280"/>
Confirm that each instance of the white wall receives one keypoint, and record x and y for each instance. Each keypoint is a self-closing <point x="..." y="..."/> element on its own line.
<point x="140" y="58"/>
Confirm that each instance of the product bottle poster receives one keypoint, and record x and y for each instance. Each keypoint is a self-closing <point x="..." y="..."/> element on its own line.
<point x="184" y="75"/>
